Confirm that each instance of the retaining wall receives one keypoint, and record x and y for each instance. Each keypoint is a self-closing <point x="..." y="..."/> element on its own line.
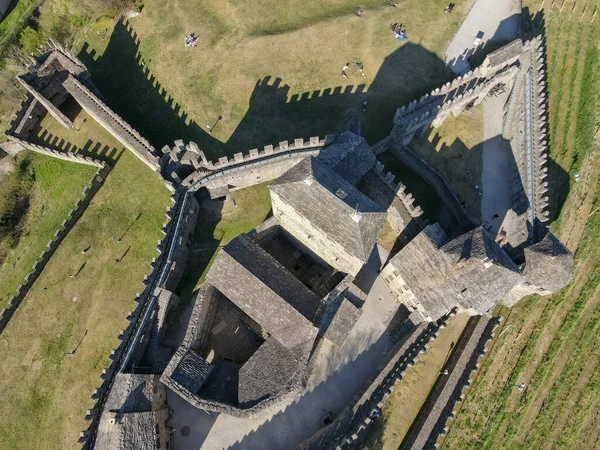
<point x="351" y="425"/>
<point x="437" y="181"/>
<point x="74" y="215"/>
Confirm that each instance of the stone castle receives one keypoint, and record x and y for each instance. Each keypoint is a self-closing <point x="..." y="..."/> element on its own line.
<point x="274" y="295"/>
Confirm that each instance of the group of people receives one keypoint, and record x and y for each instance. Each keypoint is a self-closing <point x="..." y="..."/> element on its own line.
<point x="359" y="65"/>
<point x="190" y="40"/>
<point x="399" y="32"/>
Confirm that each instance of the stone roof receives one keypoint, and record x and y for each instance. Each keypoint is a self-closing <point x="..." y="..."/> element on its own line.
<point x="127" y="420"/>
<point x="471" y="271"/>
<point x="548" y="264"/>
<point x="349" y="156"/>
<point x="342" y="322"/>
<point x="484" y="272"/>
<point x="329" y="202"/>
<point x="261" y="287"/>
<point x="504" y="55"/>
<point x="272" y="370"/>
<point x="192" y="371"/>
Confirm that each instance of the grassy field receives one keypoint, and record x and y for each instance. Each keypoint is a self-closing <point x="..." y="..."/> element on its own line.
<point x="44" y="392"/>
<point x="57" y="186"/>
<point x="271" y="69"/>
<point x="455" y="150"/>
<point x="551" y="343"/>
<point x="220" y="224"/>
<point x="402" y="407"/>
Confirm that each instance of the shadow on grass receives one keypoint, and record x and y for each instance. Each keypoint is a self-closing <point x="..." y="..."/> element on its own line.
<point x="273" y="114"/>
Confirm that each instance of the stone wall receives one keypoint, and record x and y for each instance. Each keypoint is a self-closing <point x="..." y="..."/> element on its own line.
<point x="430" y="423"/>
<point x="114" y="124"/>
<point x="143" y="313"/>
<point x="65" y="156"/>
<point x="246" y="170"/>
<point x="351" y="425"/>
<point x="436" y="180"/>
<point x="29" y="114"/>
<point x="66" y="225"/>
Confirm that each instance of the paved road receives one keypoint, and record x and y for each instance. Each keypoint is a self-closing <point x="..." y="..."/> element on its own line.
<point x="338" y="374"/>
<point x="490" y="20"/>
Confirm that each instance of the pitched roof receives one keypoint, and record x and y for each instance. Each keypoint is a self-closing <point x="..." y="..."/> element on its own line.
<point x="271" y="371"/>
<point x="484" y="272"/>
<point x="127" y="420"/>
<point x="349" y="156"/>
<point x="261" y="287"/>
<point x="329" y="202"/>
<point x="471" y="271"/>
<point x="192" y="371"/>
<point x="548" y="264"/>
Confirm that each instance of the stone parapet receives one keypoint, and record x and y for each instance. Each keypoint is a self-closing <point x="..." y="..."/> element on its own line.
<point x="120" y="129"/>
<point x="80" y="206"/>
<point x="350" y="426"/>
<point x="65" y="156"/>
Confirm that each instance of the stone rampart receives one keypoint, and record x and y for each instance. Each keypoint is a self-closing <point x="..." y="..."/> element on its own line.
<point x="74" y="215"/>
<point x="65" y="156"/>
<point x="430" y="428"/>
<point x="29" y="114"/>
<point x="437" y="181"/>
<point x="253" y="168"/>
<point x="350" y="426"/>
<point x="114" y="124"/>
<point x="539" y="123"/>
<point x="147" y="301"/>
<point x="398" y="189"/>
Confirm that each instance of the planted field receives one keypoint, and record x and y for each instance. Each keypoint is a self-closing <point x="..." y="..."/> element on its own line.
<point x="56" y="186"/>
<point x="551" y="343"/>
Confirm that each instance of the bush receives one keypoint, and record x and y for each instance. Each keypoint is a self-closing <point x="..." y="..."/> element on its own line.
<point x="15" y="191"/>
<point x="31" y="39"/>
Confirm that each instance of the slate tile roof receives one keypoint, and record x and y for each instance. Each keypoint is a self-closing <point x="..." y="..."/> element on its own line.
<point x="261" y="287"/>
<point x="192" y="371"/>
<point x="349" y="156"/>
<point x="548" y="264"/>
<point x="329" y="202"/>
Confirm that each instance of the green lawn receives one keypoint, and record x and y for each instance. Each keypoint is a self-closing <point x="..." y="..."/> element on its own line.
<point x="550" y="343"/>
<point x="44" y="393"/>
<point x="57" y="186"/>
<point x="456" y="151"/>
<point x="271" y="69"/>
<point x="217" y="227"/>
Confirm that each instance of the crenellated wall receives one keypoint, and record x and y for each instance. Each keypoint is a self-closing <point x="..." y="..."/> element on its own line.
<point x="66" y="225"/>
<point x="449" y="389"/>
<point x="65" y="156"/>
<point x="140" y="318"/>
<point x="351" y="425"/>
<point x="242" y="170"/>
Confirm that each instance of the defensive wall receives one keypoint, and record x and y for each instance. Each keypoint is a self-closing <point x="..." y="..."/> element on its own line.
<point x="73" y="216"/>
<point x="241" y="171"/>
<point x="176" y="237"/>
<point x="350" y="427"/>
<point x="447" y="392"/>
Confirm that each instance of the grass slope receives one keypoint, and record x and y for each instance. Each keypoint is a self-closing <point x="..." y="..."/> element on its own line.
<point x="45" y="393"/>
<point x="550" y="344"/>
<point x="57" y="186"/>
<point x="271" y="69"/>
